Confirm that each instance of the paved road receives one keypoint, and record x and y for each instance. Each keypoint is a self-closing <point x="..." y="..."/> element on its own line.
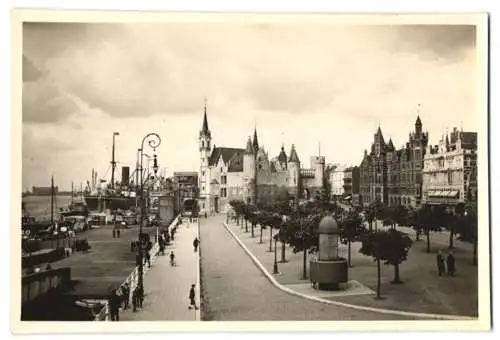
<point x="234" y="289"/>
<point x="167" y="287"/>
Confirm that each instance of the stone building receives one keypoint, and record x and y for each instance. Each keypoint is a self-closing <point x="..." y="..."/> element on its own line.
<point x="450" y="170"/>
<point x="337" y="180"/>
<point x="249" y="174"/>
<point x="394" y="177"/>
<point x="351" y="182"/>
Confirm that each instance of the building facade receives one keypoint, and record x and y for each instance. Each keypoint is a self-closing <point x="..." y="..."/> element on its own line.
<point x="394" y="177"/>
<point x="186" y="183"/>
<point x="337" y="175"/>
<point x="450" y="170"/>
<point x="250" y="175"/>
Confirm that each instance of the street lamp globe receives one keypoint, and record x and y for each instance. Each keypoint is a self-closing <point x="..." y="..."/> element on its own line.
<point x="155" y="164"/>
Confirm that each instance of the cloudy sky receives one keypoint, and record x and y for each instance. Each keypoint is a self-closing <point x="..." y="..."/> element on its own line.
<point x="304" y="84"/>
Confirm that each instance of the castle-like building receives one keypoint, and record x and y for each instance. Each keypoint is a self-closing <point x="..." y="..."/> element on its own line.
<point x="249" y="175"/>
<point x="394" y="177"/>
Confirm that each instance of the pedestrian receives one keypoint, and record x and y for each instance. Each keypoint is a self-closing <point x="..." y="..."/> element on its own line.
<point x="149" y="246"/>
<point x="172" y="259"/>
<point x="114" y="306"/>
<point x="140" y="295"/>
<point x="196" y="242"/>
<point x="162" y="246"/>
<point x="118" y="232"/>
<point x="192" y="298"/>
<point x="134" y="300"/>
<point x="440" y="263"/>
<point x="126" y="295"/>
<point x="114" y="232"/>
<point x="450" y="261"/>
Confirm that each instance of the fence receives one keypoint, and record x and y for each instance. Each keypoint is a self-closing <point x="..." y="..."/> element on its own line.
<point x="133" y="278"/>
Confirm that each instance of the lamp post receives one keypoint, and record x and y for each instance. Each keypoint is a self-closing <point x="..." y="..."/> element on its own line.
<point x="275" y="266"/>
<point x="154" y="141"/>
<point x="113" y="162"/>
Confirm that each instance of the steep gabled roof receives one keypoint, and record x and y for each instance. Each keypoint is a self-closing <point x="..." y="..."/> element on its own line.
<point x="390" y="145"/>
<point x="249" y="149"/>
<point x="226" y="153"/>
<point x="282" y="156"/>
<point x="236" y="162"/>
<point x="293" y="155"/>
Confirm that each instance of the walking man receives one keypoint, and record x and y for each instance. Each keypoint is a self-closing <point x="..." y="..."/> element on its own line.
<point x="172" y="259"/>
<point x="114" y="306"/>
<point x="196" y="242"/>
<point x="134" y="299"/>
<point x="192" y="298"/>
<point x="126" y="295"/>
<point x="440" y="263"/>
<point x="450" y="259"/>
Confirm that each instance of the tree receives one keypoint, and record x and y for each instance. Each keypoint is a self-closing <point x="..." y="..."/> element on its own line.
<point x="372" y="244"/>
<point x="237" y="206"/>
<point x="273" y="221"/>
<point x="254" y="220"/>
<point x="369" y="217"/>
<point x="303" y="235"/>
<point x="248" y="211"/>
<point x="428" y="219"/>
<point x="468" y="229"/>
<point x="459" y="213"/>
<point x="351" y="230"/>
<point x="396" y="251"/>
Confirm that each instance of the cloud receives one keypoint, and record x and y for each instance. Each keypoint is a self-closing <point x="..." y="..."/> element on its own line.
<point x="43" y="102"/>
<point x="143" y="70"/>
<point x="30" y="72"/>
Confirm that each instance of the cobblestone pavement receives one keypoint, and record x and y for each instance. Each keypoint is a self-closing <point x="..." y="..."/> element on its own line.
<point x="167" y="287"/>
<point x="234" y="289"/>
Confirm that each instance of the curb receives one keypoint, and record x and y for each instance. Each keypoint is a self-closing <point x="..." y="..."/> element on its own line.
<point x="340" y="304"/>
<point x="198" y="275"/>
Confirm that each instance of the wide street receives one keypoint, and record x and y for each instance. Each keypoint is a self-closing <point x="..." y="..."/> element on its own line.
<point x="234" y="289"/>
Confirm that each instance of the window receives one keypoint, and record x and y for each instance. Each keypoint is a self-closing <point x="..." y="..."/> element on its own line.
<point x="221" y="169"/>
<point x="450" y="177"/>
<point x="223" y="179"/>
<point x="223" y="192"/>
<point x="203" y="188"/>
<point x="203" y="173"/>
<point x="203" y="205"/>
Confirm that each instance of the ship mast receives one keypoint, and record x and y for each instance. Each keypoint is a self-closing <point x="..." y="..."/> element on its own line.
<point x="72" y="194"/>
<point x="52" y="201"/>
<point x="113" y="162"/>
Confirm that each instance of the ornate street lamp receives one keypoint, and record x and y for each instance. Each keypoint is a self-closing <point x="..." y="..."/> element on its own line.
<point x="275" y="265"/>
<point x="154" y="141"/>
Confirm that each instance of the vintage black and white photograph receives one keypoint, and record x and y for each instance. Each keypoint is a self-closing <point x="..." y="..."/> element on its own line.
<point x="223" y="167"/>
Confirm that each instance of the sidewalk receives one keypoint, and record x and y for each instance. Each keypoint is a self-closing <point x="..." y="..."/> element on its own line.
<point x="167" y="288"/>
<point x="422" y="292"/>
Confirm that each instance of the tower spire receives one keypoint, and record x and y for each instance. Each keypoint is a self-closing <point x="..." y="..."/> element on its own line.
<point x="255" y="140"/>
<point x="205" y="130"/>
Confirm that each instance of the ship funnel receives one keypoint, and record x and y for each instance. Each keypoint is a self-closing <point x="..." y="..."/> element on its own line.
<point x="125" y="175"/>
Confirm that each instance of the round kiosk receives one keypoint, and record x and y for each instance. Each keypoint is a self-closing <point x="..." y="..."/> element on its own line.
<point x="328" y="271"/>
